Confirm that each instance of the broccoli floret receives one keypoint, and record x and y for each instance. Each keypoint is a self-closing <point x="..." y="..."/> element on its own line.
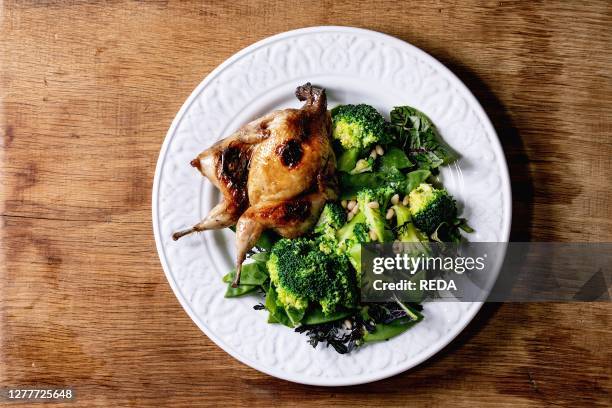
<point x="302" y="273"/>
<point x="332" y="216"/>
<point x="331" y="219"/>
<point x="361" y="234"/>
<point x="409" y="233"/>
<point x="430" y="207"/>
<point x="374" y="214"/>
<point x="415" y="243"/>
<point x="353" y="232"/>
<point x="359" y="126"/>
<point x="402" y="214"/>
<point x="327" y="243"/>
<point x="350" y="237"/>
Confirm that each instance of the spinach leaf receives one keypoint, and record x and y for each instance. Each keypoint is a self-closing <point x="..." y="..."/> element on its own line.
<point x="362" y="180"/>
<point x="350" y="184"/>
<point x="420" y="138"/>
<point x="394" y="158"/>
<point x="267" y="239"/>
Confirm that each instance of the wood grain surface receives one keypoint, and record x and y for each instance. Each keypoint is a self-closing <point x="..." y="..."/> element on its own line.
<point x="88" y="91"/>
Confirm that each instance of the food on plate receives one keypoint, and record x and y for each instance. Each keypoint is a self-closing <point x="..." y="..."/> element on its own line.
<point x="276" y="173"/>
<point x="301" y="220"/>
<point x="357" y="128"/>
<point x="303" y="274"/>
<point x="431" y="207"/>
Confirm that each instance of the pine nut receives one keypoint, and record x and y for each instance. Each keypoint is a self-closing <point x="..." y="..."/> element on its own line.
<point x="373" y="204"/>
<point x="350" y="216"/>
<point x="355" y="210"/>
<point x="390" y="214"/>
<point x="348" y="325"/>
<point x="361" y="164"/>
<point x="373" y="235"/>
<point x="343" y="203"/>
<point x="379" y="150"/>
<point x="406" y="200"/>
<point x="395" y="199"/>
<point x="373" y="153"/>
<point x="351" y="204"/>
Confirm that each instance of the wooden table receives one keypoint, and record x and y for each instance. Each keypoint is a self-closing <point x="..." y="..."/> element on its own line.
<point x="88" y="92"/>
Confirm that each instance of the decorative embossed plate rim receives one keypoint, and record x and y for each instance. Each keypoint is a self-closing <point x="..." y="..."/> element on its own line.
<point x="166" y="206"/>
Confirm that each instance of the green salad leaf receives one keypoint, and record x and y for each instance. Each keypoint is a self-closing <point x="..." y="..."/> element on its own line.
<point x="419" y="137"/>
<point x="394" y="158"/>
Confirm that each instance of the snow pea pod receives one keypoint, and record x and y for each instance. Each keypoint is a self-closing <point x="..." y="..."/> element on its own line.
<point x="277" y="314"/>
<point x="347" y="160"/>
<point x="254" y="273"/>
<point x="316" y="316"/>
<point x="387" y="331"/>
<point x="231" y="292"/>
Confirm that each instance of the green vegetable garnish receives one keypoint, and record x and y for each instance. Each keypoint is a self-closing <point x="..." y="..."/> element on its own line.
<point x="373" y="204"/>
<point x="252" y="274"/>
<point x="359" y="127"/>
<point x="316" y="316"/>
<point x="418" y="136"/>
<point x="231" y="292"/>
<point x="347" y="160"/>
<point x="394" y="158"/>
<point x="431" y="207"/>
<point x="302" y="273"/>
<point x="408" y="233"/>
<point x="277" y="313"/>
<point x="415" y="178"/>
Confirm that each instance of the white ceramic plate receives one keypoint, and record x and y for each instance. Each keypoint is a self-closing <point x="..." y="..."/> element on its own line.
<point x="354" y="65"/>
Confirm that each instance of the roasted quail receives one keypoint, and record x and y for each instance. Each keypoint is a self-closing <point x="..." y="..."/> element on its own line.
<point x="276" y="173"/>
